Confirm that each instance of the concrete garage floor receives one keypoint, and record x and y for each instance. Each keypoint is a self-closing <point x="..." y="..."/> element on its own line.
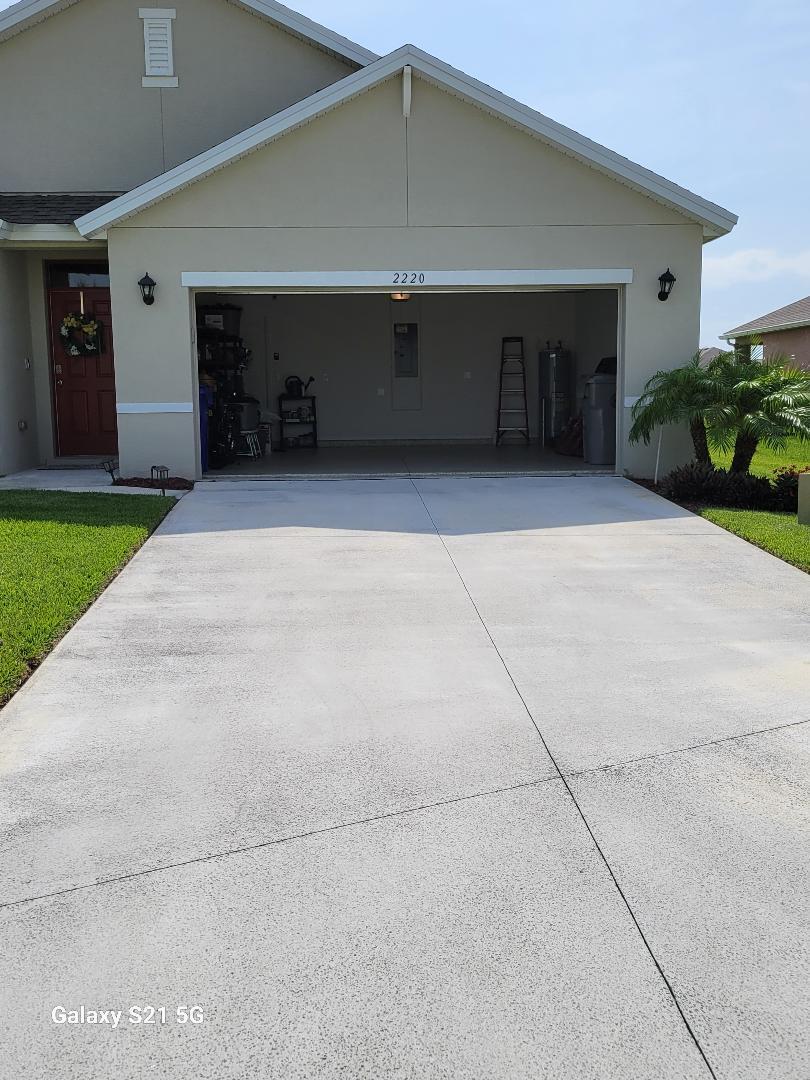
<point x="450" y="778"/>
<point x="409" y="461"/>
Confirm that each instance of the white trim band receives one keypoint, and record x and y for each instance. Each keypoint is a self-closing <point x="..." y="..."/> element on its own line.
<point x="124" y="408"/>
<point x="412" y="280"/>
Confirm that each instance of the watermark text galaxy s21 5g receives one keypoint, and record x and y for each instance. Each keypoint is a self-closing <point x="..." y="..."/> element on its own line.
<point x="153" y="1015"/>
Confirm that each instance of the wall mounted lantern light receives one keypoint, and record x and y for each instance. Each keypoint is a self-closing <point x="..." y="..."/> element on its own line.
<point x="147" y="287"/>
<point x="666" y="281"/>
<point x="400" y="297"/>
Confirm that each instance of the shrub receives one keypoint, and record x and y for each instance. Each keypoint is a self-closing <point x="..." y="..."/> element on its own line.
<point x="786" y="487"/>
<point x="694" y="482"/>
<point x="698" y="483"/>
<point x="746" y="492"/>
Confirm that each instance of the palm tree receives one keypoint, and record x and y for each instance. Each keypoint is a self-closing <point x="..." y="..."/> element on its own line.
<point x="673" y="397"/>
<point x="757" y="402"/>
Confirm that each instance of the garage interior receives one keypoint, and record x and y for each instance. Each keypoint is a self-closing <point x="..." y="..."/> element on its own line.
<point x="392" y="384"/>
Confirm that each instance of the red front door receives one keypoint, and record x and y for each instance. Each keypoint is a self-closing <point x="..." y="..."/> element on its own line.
<point x="84" y="381"/>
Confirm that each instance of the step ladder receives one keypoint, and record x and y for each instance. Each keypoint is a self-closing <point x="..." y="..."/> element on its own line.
<point x="513" y="406"/>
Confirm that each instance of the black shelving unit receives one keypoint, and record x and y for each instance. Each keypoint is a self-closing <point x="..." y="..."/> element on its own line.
<point x="299" y="422"/>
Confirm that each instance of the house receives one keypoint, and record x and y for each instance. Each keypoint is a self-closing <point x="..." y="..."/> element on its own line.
<point x="307" y="208"/>
<point x="783" y="333"/>
<point x="708" y="354"/>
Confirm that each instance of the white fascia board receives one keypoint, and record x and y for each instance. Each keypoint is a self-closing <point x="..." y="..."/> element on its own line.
<point x="28" y="12"/>
<point x="305" y="28"/>
<point x="732" y="335"/>
<point x="714" y="219"/>
<point x="387" y="280"/>
<point x="42" y="234"/>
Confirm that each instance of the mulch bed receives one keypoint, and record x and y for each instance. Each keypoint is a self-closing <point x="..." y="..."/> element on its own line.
<point x="693" y="508"/>
<point x="172" y="483"/>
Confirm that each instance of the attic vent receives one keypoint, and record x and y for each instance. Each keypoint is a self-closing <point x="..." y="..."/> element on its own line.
<point x="157" y="46"/>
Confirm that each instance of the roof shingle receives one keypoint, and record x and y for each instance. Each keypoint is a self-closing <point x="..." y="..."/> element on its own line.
<point x="795" y="314"/>
<point x="52" y="208"/>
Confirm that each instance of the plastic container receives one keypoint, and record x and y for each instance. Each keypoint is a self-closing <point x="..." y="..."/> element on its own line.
<point x="599" y="415"/>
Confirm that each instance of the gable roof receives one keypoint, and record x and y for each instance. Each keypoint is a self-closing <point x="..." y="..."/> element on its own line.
<point x="28" y="13"/>
<point x="715" y="220"/>
<point x="709" y="353"/>
<point x="789" y="317"/>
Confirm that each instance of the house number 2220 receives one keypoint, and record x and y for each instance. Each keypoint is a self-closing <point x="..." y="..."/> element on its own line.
<point x="409" y="277"/>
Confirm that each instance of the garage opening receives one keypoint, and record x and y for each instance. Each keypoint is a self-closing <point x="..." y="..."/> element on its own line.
<point x="393" y="384"/>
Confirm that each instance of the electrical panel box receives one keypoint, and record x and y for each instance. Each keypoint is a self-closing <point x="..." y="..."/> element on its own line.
<point x="406" y="350"/>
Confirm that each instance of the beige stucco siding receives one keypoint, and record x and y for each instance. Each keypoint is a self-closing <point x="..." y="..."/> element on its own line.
<point x="18" y="449"/>
<point x="467" y="167"/>
<point x="794" y="344"/>
<point x="356" y="190"/>
<point x="344" y="169"/>
<point x="449" y="164"/>
<point x="73" y="108"/>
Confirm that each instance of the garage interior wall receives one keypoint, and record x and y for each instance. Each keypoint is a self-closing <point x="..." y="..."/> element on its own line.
<point x="345" y="342"/>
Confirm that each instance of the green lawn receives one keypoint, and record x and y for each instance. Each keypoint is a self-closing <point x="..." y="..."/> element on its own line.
<point x="765" y="461"/>
<point x="57" y="552"/>
<point x="780" y="534"/>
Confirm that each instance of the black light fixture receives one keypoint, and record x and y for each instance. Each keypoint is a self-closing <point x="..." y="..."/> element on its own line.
<point x="666" y="281"/>
<point x="147" y="287"/>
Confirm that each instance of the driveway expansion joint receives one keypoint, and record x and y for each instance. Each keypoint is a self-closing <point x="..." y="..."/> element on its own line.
<point x="261" y="844"/>
<point x="573" y="798"/>
<point x="685" y="749"/>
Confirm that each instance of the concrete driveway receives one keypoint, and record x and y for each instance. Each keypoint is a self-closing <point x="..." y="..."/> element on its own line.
<point x="456" y="778"/>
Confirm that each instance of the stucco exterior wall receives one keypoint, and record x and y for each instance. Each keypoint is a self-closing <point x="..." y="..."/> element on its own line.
<point x="18" y="449"/>
<point x="794" y="344"/>
<point x="363" y="188"/>
<point x="73" y="108"/>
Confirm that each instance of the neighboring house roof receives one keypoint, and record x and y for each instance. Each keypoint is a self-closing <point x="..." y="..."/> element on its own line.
<point x="715" y="220"/>
<point x="709" y="354"/>
<point x="28" y="13"/>
<point x="51" y="208"/>
<point x="788" y="317"/>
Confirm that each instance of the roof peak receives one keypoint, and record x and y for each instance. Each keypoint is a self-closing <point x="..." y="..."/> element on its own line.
<point x="714" y="219"/>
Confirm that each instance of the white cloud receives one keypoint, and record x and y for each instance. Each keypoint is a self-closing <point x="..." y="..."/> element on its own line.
<point x="754" y="265"/>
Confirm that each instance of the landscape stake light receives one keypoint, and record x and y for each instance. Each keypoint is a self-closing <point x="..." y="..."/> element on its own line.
<point x="160" y="473"/>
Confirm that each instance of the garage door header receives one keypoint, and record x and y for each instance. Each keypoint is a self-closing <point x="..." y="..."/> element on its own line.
<point x="414" y="280"/>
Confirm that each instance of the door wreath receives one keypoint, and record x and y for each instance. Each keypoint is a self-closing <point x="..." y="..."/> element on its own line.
<point x="80" y="334"/>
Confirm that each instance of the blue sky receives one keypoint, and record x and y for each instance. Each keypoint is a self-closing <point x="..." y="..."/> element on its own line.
<point x="715" y="96"/>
